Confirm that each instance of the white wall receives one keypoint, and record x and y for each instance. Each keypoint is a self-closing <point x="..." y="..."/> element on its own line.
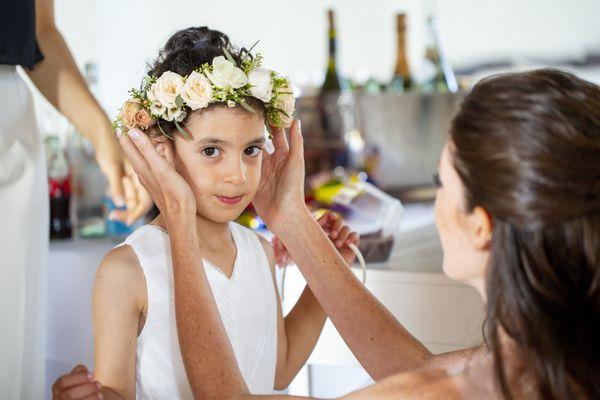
<point x="121" y="35"/>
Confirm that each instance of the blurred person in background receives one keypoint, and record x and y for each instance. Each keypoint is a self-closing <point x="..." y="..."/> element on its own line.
<point x="30" y="39"/>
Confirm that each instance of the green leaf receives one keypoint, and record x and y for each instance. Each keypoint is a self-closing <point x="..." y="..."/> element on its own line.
<point x="228" y="56"/>
<point x="178" y="101"/>
<point x="163" y="132"/>
<point x="253" y="46"/>
<point x="182" y="131"/>
<point x="246" y="106"/>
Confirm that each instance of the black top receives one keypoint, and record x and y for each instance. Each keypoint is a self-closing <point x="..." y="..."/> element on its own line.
<point x="18" y="45"/>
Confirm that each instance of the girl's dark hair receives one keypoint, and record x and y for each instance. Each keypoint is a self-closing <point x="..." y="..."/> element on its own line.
<point x="527" y="149"/>
<point x="188" y="49"/>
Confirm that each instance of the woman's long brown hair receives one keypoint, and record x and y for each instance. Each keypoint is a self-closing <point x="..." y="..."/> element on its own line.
<point x="527" y="149"/>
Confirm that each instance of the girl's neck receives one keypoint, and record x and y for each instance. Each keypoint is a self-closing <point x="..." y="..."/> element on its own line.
<point x="219" y="234"/>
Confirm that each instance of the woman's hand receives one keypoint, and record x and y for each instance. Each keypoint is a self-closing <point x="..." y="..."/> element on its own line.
<point x="339" y="233"/>
<point x="124" y="186"/>
<point x="77" y="384"/>
<point x="280" y="195"/>
<point x="171" y="193"/>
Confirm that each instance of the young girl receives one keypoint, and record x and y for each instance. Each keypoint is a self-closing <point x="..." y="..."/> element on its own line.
<point x="205" y="107"/>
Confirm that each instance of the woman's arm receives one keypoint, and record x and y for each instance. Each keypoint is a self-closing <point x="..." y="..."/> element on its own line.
<point x="207" y="354"/>
<point x="298" y="332"/>
<point x="381" y="344"/>
<point x="376" y="338"/>
<point x="118" y="303"/>
<point x="59" y="80"/>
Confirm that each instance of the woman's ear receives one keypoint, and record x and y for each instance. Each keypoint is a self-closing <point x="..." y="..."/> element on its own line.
<point x="481" y="227"/>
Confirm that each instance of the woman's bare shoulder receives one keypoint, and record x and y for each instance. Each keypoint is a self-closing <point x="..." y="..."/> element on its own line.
<point x="472" y="383"/>
<point x="421" y="384"/>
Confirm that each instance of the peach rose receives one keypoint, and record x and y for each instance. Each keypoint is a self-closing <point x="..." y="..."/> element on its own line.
<point x="143" y="119"/>
<point x="129" y="111"/>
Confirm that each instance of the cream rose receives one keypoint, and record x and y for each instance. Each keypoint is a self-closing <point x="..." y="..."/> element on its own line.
<point x="197" y="91"/>
<point x="261" y="85"/>
<point x="128" y="112"/>
<point x="286" y="102"/>
<point x="156" y="107"/>
<point x="166" y="89"/>
<point x="226" y="75"/>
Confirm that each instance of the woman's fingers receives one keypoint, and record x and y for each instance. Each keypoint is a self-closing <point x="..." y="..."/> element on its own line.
<point x="280" y="142"/>
<point x="296" y="147"/>
<point x="140" y="166"/>
<point x="139" y="162"/>
<point x="144" y="158"/>
<point x="135" y="157"/>
<point x="146" y="148"/>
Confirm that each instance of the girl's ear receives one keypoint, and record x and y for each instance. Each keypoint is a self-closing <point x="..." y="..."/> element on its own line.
<point x="164" y="147"/>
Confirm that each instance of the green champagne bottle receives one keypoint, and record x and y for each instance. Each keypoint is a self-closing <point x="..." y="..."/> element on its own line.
<point x="332" y="78"/>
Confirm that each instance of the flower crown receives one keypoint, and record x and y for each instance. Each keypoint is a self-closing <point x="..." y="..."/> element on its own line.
<point x="171" y="96"/>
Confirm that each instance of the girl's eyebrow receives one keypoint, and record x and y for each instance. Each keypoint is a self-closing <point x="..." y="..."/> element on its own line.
<point x="260" y="140"/>
<point x="212" y="140"/>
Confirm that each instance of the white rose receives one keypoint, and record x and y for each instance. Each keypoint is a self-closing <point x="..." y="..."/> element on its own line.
<point x="226" y="75"/>
<point x="156" y="107"/>
<point x="261" y="85"/>
<point x="286" y="102"/>
<point x="197" y="91"/>
<point x="175" y="113"/>
<point x="166" y="89"/>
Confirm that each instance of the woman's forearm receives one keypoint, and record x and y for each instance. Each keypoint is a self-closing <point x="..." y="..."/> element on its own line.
<point x="59" y="80"/>
<point x="208" y="357"/>
<point x="303" y="326"/>
<point x="376" y="338"/>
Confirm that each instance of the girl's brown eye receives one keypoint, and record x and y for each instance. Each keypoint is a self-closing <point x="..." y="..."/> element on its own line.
<point x="211" y="152"/>
<point x="253" y="151"/>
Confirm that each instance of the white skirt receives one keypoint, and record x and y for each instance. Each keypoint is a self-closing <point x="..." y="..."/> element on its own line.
<point x="24" y="232"/>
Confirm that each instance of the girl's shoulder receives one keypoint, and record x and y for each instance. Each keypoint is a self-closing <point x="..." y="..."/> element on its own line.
<point x="120" y="276"/>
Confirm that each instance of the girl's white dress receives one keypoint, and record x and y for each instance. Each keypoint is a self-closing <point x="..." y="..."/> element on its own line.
<point x="246" y="301"/>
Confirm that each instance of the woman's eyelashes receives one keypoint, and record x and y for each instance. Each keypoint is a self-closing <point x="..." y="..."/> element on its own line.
<point x="436" y="180"/>
<point x="214" y="152"/>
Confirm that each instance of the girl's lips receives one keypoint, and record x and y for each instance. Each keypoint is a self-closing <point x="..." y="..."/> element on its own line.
<point x="230" y="200"/>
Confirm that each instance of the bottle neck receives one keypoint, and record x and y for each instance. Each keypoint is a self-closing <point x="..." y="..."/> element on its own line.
<point x="401" y="60"/>
<point x="332" y="49"/>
